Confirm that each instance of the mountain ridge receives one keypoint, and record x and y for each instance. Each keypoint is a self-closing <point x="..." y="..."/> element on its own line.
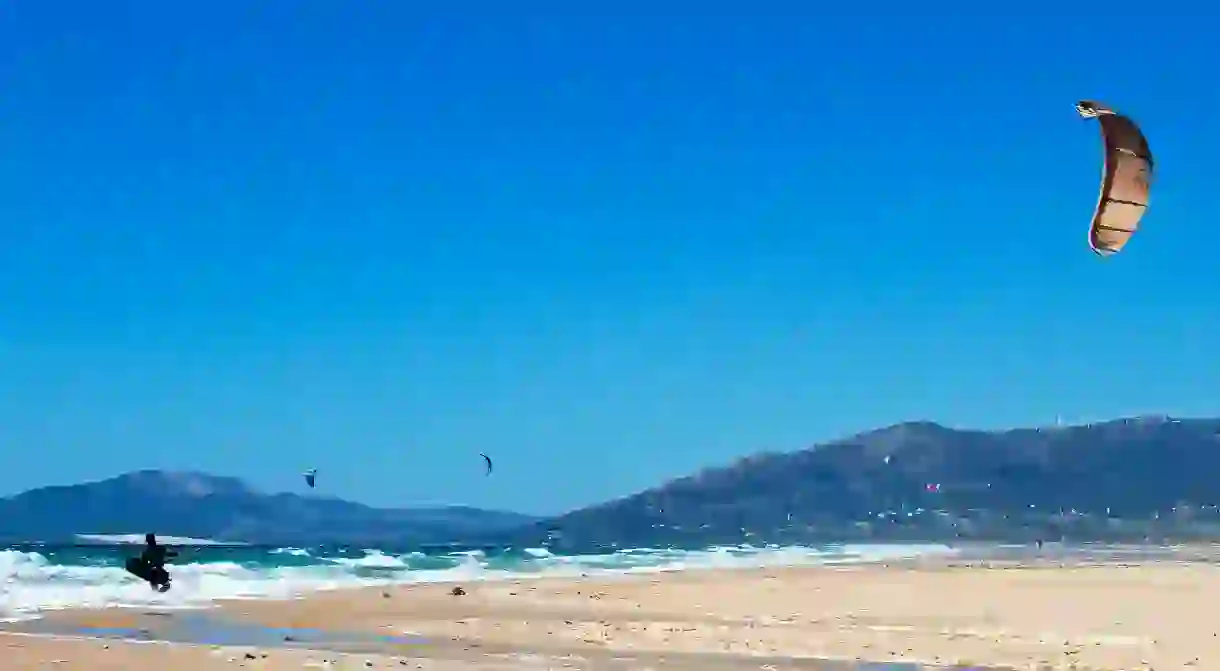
<point x="883" y="484"/>
<point x="223" y="508"/>
<point x="1123" y="478"/>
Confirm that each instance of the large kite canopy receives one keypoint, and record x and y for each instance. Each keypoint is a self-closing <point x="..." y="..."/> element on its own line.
<point x="488" y="460"/>
<point x="1126" y="179"/>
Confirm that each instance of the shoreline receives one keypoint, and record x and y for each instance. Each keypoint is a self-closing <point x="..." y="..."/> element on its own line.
<point x="48" y="580"/>
<point x="1059" y="612"/>
<point x="190" y="595"/>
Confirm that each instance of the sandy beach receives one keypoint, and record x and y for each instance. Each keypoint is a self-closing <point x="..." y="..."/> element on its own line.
<point x="1024" y="616"/>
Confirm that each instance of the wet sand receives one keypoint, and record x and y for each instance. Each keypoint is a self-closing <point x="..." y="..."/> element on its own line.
<point x="994" y="614"/>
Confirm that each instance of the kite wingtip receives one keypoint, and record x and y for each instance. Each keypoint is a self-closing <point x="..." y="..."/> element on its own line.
<point x="1089" y="109"/>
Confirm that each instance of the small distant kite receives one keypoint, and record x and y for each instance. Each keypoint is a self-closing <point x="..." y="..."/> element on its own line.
<point x="488" y="460"/>
<point x="1126" y="179"/>
<point x="310" y="476"/>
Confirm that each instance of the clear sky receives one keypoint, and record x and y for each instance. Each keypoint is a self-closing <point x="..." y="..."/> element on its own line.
<point x="606" y="248"/>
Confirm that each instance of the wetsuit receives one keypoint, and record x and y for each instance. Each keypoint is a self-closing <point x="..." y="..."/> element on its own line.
<point x="155" y="555"/>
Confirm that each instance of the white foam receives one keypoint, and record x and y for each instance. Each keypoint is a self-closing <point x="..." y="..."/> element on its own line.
<point x="373" y="559"/>
<point x="30" y="583"/>
<point x="296" y="552"/>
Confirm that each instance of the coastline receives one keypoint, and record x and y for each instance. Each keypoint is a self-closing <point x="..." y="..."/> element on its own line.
<point x="1059" y="612"/>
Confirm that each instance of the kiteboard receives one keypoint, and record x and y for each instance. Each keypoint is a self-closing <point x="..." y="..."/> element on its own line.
<point x="158" y="579"/>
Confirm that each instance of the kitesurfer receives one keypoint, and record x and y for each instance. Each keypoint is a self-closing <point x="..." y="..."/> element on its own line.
<point x="154" y="557"/>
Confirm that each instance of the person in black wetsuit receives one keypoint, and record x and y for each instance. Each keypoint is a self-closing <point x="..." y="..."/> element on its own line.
<point x="155" y="555"/>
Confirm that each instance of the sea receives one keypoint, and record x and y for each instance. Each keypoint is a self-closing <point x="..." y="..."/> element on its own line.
<point x="38" y="578"/>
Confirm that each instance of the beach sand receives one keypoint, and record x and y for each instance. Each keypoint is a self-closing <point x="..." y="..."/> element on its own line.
<point x="28" y="653"/>
<point x="1033" y="616"/>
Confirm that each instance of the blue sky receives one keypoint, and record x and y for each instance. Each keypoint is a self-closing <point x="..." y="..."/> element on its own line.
<point x="606" y="248"/>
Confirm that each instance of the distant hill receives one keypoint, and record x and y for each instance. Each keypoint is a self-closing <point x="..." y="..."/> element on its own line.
<point x="1125" y="479"/>
<point x="198" y="505"/>
<point x="924" y="480"/>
